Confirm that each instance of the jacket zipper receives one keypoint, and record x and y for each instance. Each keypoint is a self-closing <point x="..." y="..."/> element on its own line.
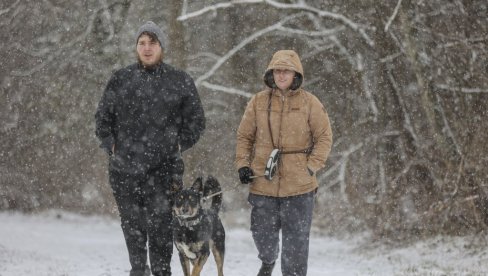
<point x="279" y="144"/>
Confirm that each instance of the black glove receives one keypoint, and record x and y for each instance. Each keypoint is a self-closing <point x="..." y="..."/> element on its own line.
<point x="245" y="174"/>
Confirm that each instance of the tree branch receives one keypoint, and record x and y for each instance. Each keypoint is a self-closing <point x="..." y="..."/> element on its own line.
<point x="311" y="33"/>
<point x="227" y="90"/>
<point x="395" y="12"/>
<point x="185" y="16"/>
<point x="241" y="45"/>
<point x="365" y="84"/>
<point x="407" y="122"/>
<point x="51" y="57"/>
<point x="106" y="13"/>
<point x="447" y="129"/>
<point x="461" y="89"/>
<point x="9" y="8"/>
<point x="300" y="6"/>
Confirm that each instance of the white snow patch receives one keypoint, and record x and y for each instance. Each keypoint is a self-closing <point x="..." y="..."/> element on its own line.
<point x="65" y="244"/>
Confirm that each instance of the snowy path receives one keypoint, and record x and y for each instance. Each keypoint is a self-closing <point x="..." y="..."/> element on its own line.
<point x="72" y="245"/>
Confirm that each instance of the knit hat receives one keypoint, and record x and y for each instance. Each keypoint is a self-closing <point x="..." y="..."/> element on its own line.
<point x="151" y="27"/>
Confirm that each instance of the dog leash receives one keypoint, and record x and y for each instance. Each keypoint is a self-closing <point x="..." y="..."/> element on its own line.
<point x="220" y="192"/>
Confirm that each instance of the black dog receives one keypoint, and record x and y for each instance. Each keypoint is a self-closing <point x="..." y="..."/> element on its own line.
<point x="197" y="230"/>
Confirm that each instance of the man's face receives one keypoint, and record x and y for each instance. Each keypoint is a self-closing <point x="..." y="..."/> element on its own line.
<point x="148" y="50"/>
<point x="283" y="78"/>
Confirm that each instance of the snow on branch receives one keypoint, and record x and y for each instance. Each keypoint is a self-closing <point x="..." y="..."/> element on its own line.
<point x="185" y="16"/>
<point x="241" y="45"/>
<point x="300" y="6"/>
<point x="392" y="17"/>
<point x="404" y="171"/>
<point x="344" y="51"/>
<point x="228" y="90"/>
<point x="4" y="11"/>
<point x="33" y="69"/>
<point x="204" y="55"/>
<point x="462" y="89"/>
<point x="407" y="122"/>
<point x="311" y="33"/>
<point x="70" y="44"/>
<point x="366" y="87"/>
<point x="336" y="16"/>
<point x="318" y="49"/>
<point x="341" y="165"/>
<point x="447" y="128"/>
<point x="106" y="13"/>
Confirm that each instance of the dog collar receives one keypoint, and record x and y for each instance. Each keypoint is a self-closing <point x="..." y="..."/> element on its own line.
<point x="189" y="223"/>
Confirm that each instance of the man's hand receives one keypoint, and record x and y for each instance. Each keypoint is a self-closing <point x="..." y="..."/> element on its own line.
<point x="245" y="174"/>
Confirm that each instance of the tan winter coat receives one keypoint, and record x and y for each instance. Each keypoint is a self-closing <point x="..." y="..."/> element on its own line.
<point x="298" y="121"/>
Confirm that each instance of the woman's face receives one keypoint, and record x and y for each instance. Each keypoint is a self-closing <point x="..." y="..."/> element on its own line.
<point x="283" y="78"/>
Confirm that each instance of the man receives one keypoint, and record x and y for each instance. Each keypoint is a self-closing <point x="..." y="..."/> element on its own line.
<point x="149" y="113"/>
<point x="287" y="119"/>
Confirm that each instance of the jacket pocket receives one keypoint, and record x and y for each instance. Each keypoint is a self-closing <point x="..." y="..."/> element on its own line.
<point x="295" y="168"/>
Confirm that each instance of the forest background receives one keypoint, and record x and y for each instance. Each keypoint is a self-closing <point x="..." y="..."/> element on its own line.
<point x="405" y="84"/>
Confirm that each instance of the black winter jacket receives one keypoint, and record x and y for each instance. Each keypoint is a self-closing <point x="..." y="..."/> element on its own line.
<point x="150" y="116"/>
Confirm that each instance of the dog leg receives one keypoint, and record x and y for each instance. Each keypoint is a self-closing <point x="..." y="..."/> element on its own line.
<point x="219" y="259"/>
<point x="198" y="264"/>
<point x="186" y="250"/>
<point x="185" y="264"/>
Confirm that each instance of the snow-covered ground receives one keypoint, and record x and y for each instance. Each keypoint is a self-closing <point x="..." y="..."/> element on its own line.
<point x="64" y="244"/>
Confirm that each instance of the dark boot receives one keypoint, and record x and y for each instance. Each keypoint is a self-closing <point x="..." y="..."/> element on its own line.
<point x="266" y="269"/>
<point x="145" y="272"/>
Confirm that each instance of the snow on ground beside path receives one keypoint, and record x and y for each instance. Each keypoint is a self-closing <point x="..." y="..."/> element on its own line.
<point x="64" y="244"/>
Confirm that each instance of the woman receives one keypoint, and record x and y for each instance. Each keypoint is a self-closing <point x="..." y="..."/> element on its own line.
<point x="289" y="121"/>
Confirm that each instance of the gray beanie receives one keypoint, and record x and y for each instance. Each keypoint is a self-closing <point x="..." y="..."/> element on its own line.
<point x="151" y="27"/>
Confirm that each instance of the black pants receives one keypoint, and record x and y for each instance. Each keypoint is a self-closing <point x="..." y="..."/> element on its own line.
<point x="293" y="216"/>
<point x="144" y="204"/>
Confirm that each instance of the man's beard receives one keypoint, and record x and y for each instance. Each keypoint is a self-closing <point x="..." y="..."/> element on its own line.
<point x="150" y="66"/>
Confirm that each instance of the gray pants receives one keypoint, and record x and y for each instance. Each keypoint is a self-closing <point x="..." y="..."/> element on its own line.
<point x="293" y="216"/>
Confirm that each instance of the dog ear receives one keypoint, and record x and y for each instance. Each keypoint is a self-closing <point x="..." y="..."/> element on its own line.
<point x="198" y="185"/>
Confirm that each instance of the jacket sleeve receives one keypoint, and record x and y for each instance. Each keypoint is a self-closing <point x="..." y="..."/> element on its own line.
<point x="105" y="117"/>
<point x="193" y="116"/>
<point x="321" y="133"/>
<point x="246" y="135"/>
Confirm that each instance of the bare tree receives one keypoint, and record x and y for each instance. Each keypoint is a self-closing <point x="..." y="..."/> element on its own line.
<point x="404" y="82"/>
<point x="404" y="111"/>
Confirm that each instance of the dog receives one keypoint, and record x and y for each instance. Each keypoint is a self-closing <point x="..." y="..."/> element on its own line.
<point x="198" y="230"/>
